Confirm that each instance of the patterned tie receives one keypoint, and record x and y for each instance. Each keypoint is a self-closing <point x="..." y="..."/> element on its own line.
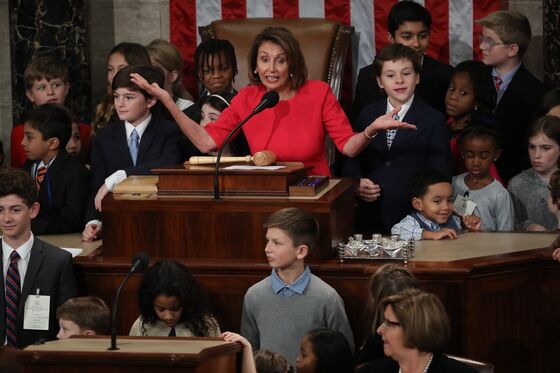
<point x="172" y="332"/>
<point x="13" y="292"/>
<point x="133" y="145"/>
<point x="498" y="82"/>
<point x="392" y="133"/>
<point x="41" y="172"/>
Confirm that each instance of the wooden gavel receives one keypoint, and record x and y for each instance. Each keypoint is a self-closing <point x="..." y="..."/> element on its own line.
<point x="262" y="158"/>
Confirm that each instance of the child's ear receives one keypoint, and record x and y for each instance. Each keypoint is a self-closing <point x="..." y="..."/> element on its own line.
<point x="379" y="82"/>
<point x="30" y="96"/>
<point x="54" y="143"/>
<point x="513" y="50"/>
<point x="417" y="204"/>
<point x="34" y="209"/>
<point x="497" y="155"/>
<point x="172" y="77"/>
<point x="302" y="251"/>
<point x="390" y="38"/>
<point x="151" y="102"/>
<point x="67" y="83"/>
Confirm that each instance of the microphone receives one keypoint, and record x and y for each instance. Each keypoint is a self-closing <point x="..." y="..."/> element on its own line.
<point x="139" y="263"/>
<point x="268" y="100"/>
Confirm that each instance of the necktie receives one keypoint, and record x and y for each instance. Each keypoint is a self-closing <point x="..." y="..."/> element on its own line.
<point x="172" y="332"/>
<point x="13" y="292"/>
<point x="41" y="172"/>
<point x="498" y="82"/>
<point x="391" y="133"/>
<point x="133" y="145"/>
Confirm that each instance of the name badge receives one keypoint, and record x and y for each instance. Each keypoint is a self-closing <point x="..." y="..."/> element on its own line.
<point x="463" y="206"/>
<point x="36" y="312"/>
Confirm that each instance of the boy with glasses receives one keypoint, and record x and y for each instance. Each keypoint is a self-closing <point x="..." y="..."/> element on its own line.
<point x="505" y="38"/>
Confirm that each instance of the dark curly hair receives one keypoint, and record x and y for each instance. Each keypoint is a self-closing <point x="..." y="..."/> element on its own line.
<point x="332" y="351"/>
<point x="483" y="86"/>
<point x="214" y="48"/>
<point x="18" y="182"/>
<point x="174" y="279"/>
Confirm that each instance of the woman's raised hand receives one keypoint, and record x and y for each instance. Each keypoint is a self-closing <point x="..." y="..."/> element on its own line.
<point x="153" y="89"/>
<point x="387" y="122"/>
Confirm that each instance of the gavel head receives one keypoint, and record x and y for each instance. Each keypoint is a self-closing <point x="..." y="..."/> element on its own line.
<point x="264" y="158"/>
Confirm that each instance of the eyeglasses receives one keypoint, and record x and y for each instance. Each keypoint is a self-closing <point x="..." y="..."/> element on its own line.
<point x="386" y="324"/>
<point x="490" y="43"/>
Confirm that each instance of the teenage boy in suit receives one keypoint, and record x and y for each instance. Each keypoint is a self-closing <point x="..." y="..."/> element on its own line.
<point x="393" y="156"/>
<point x="32" y="270"/>
<point x="505" y="38"/>
<point x="62" y="180"/>
<point x="135" y="144"/>
<point x="409" y="24"/>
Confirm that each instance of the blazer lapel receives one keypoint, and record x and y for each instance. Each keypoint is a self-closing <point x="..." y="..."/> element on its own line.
<point x="121" y="143"/>
<point x="35" y="261"/>
<point x="410" y="117"/>
<point x="2" y="298"/>
<point x="146" y="141"/>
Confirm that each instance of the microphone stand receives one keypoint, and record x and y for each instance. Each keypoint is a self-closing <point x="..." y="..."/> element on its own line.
<point x="219" y="156"/>
<point x="115" y="306"/>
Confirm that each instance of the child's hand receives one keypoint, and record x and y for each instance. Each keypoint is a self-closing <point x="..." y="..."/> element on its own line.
<point x="91" y="232"/>
<point x="234" y="337"/>
<point x="441" y="234"/>
<point x="153" y="89"/>
<point x="556" y="254"/>
<point x="101" y="193"/>
<point x="368" y="190"/>
<point x="555" y="246"/>
<point x="386" y="122"/>
<point x="471" y="222"/>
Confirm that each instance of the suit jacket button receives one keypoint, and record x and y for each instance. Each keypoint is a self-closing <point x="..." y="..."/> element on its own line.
<point x="388" y="163"/>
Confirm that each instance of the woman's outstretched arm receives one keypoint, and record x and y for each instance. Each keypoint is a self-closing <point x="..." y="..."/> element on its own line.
<point x="196" y="133"/>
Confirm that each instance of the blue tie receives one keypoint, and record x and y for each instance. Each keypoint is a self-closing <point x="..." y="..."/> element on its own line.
<point x="133" y="145"/>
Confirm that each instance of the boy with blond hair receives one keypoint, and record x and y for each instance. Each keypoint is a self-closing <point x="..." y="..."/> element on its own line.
<point x="46" y="82"/>
<point x="505" y="39"/>
<point x="291" y="293"/>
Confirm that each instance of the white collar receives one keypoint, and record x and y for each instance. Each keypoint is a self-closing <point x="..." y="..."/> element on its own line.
<point x="139" y="128"/>
<point x="24" y="250"/>
<point x="404" y="107"/>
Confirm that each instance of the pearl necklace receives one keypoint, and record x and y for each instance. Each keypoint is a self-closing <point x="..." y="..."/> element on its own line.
<point x="427" y="365"/>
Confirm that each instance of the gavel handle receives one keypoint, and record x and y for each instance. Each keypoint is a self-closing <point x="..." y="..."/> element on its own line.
<point x="212" y="160"/>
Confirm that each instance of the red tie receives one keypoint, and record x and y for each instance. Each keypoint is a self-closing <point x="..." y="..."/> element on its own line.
<point x="41" y="172"/>
<point x="13" y="293"/>
<point x="498" y="82"/>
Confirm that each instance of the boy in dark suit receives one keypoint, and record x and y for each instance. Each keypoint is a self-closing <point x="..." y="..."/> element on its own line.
<point x="505" y="38"/>
<point x="394" y="156"/>
<point x="62" y="180"/>
<point x="134" y="145"/>
<point x="409" y="24"/>
<point x="32" y="270"/>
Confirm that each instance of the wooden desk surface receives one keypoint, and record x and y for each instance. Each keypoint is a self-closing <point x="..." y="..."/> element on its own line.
<point x="72" y="240"/>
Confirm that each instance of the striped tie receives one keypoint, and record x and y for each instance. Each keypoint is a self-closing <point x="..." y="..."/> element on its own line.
<point x="498" y="82"/>
<point x="13" y="292"/>
<point x="391" y="133"/>
<point x="41" y="172"/>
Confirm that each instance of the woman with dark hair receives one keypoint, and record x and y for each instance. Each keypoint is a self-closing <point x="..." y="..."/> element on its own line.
<point x="414" y="332"/>
<point x="389" y="279"/>
<point x="550" y="104"/>
<point x="296" y="127"/>
<point x="171" y="304"/>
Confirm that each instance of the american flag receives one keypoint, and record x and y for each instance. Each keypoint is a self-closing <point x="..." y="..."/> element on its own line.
<point x="453" y="38"/>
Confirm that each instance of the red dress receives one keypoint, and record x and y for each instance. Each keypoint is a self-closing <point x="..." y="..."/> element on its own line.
<point x="294" y="129"/>
<point x="17" y="154"/>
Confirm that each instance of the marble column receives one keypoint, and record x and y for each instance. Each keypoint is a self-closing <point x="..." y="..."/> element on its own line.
<point x="551" y="20"/>
<point x="51" y="27"/>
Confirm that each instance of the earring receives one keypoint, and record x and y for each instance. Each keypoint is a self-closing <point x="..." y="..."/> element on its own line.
<point x="475" y="107"/>
<point x="291" y="75"/>
<point x="255" y="72"/>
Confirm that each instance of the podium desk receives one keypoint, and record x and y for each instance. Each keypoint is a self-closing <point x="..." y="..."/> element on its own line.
<point x="501" y="291"/>
<point x="135" y="354"/>
<point x="199" y="227"/>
